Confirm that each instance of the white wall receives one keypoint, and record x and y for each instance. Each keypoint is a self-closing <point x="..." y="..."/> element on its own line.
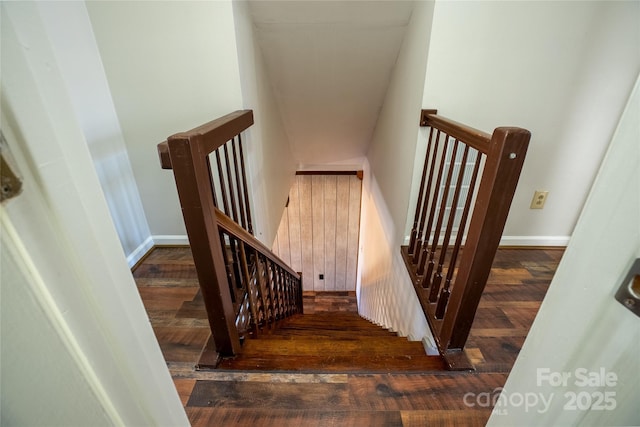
<point x="329" y="63"/>
<point x="393" y="146"/>
<point x="267" y="147"/>
<point x="64" y="247"/>
<point x="580" y="324"/>
<point x="385" y="292"/>
<point x="68" y="27"/>
<point x="171" y="66"/>
<point x="562" y="70"/>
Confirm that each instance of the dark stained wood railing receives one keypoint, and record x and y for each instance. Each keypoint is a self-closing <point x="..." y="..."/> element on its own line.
<point x="467" y="185"/>
<point x="246" y="288"/>
<point x="264" y="288"/>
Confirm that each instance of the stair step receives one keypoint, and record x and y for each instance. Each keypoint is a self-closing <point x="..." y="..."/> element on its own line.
<point x="336" y="364"/>
<point x="331" y="342"/>
<point x="290" y="334"/>
<point x="310" y="347"/>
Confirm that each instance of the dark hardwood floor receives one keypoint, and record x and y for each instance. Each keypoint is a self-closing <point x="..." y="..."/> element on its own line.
<point x="343" y="397"/>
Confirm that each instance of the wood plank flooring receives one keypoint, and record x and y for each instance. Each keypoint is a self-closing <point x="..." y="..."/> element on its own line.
<point x="167" y="283"/>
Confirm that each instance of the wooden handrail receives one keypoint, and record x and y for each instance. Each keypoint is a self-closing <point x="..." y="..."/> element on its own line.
<point x="245" y="287"/>
<point x="214" y="134"/>
<point x="449" y="278"/>
<point x="473" y="137"/>
<point x="163" y="154"/>
<point x="231" y="227"/>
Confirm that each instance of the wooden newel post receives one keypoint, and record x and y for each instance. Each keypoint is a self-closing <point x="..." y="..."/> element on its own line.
<point x="497" y="187"/>
<point x="191" y="172"/>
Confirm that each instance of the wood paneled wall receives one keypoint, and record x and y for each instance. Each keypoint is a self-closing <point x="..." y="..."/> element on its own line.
<point x="319" y="231"/>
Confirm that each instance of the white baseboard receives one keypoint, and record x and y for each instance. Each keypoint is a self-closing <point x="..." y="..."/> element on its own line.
<point x="534" y="240"/>
<point x="151" y="241"/>
<point x="527" y="240"/>
<point x="430" y="346"/>
<point x="140" y="251"/>
<point x="171" y="239"/>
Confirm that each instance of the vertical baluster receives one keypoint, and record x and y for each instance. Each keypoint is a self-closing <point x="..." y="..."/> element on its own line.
<point x="213" y="186"/>
<point x="253" y="303"/>
<point x="296" y="296"/>
<point x="229" y="270"/>
<point x="416" y="217"/>
<point x="244" y="187"/>
<point x="444" y="295"/>
<point x="437" y="280"/>
<point x="424" y="253"/>
<point x="427" y="199"/>
<point x="289" y="296"/>
<point x="243" y="219"/>
<point x="441" y="214"/>
<point x="274" y="297"/>
<point x="261" y="282"/>
<point x="292" y="291"/>
<point x="285" y="296"/>
<point x="274" y="288"/>
<point x="265" y="272"/>
<point x="232" y="197"/>
<point x="255" y="279"/>
<point x="223" y="189"/>
<point x="300" y="295"/>
<point x="292" y="295"/>
<point x="283" y="301"/>
<point x="278" y="274"/>
<point x="235" y="264"/>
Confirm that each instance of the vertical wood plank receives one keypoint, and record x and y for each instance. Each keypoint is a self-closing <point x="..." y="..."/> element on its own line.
<point x="353" y="233"/>
<point x="317" y="206"/>
<point x="342" y="226"/>
<point x="276" y="246"/>
<point x="283" y="238"/>
<point x="294" y="227"/>
<point x="330" y="216"/>
<point x="306" y="231"/>
<point x="319" y="231"/>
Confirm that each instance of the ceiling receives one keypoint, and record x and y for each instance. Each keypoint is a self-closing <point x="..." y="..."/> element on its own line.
<point x="329" y="63"/>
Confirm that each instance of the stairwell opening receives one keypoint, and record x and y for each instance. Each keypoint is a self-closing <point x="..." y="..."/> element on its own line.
<point x="320" y="230"/>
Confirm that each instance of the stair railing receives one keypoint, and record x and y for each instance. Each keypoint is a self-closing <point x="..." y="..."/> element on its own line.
<point x="467" y="185"/>
<point x="245" y="287"/>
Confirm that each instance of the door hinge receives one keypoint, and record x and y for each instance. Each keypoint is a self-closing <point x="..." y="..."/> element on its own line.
<point x="10" y="180"/>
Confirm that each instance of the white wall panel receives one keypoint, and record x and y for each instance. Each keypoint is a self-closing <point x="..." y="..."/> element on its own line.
<point x="342" y="227"/>
<point x="330" y="220"/>
<point x="293" y="217"/>
<point x="306" y="231"/>
<point x="317" y="238"/>
<point x="322" y="225"/>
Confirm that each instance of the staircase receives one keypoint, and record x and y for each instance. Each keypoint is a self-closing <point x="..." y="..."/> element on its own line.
<point x="331" y="342"/>
<point x="167" y="282"/>
<point x="248" y="291"/>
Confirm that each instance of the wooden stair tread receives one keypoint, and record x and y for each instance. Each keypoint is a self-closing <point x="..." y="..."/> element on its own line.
<point x="335" y="364"/>
<point x="331" y="342"/>
<point x="292" y="334"/>
<point x="311" y="346"/>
